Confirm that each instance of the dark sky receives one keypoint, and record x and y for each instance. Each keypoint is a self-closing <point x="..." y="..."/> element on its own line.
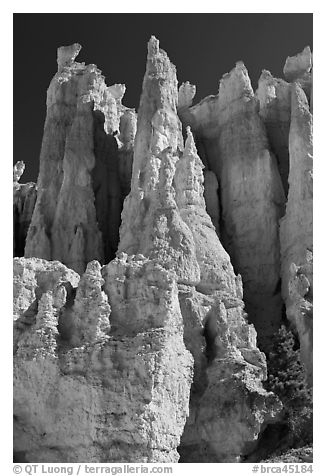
<point x="202" y="46"/>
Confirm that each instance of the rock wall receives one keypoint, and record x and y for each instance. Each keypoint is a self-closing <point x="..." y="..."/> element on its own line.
<point x="84" y="393"/>
<point x="236" y="148"/>
<point x="151" y="357"/>
<point x="296" y="231"/>
<point x="274" y="96"/>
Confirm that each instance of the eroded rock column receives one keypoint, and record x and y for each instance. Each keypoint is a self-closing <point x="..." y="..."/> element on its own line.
<point x="296" y="226"/>
<point x="252" y="198"/>
<point x="24" y="199"/>
<point x="77" y="213"/>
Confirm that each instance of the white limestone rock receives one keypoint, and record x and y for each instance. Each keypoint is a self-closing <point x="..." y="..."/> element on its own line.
<point x="297" y="66"/>
<point x="151" y="356"/>
<point x="250" y="189"/>
<point x="211" y="198"/>
<point x="67" y="54"/>
<point x="126" y="140"/>
<point x="186" y="94"/>
<point x="232" y="371"/>
<point x="296" y="227"/>
<point x="84" y="393"/>
<point x="274" y="96"/>
<point x="78" y="183"/>
<point x="24" y="198"/>
<point x="165" y="221"/>
<point x="216" y="271"/>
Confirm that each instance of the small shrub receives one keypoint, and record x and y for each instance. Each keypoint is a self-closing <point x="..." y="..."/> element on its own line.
<point x="286" y="379"/>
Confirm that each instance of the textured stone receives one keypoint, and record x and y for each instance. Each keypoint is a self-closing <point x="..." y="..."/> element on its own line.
<point x="186" y="94"/>
<point x="251" y="193"/>
<point x="82" y="394"/>
<point x="216" y="271"/>
<point x="274" y="96"/>
<point x="126" y="139"/>
<point x="165" y="219"/>
<point x="228" y="404"/>
<point x="151" y="356"/>
<point x="296" y="231"/>
<point x="151" y="222"/>
<point x="297" y="66"/>
<point x="24" y="198"/>
<point x="78" y="183"/>
<point x="211" y="198"/>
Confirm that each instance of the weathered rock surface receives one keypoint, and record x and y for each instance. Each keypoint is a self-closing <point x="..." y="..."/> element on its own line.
<point x="164" y="218"/>
<point x="128" y="127"/>
<point x="151" y="357"/>
<point x="24" y="198"/>
<point x="78" y="183"/>
<point x="299" y="69"/>
<point x="82" y="393"/>
<point x="216" y="272"/>
<point x="252" y="199"/>
<point x="274" y="96"/>
<point x="211" y="198"/>
<point x="298" y="66"/>
<point x="228" y="406"/>
<point x="296" y="226"/>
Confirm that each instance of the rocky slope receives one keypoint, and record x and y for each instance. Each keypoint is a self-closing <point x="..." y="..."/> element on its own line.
<point x="138" y="347"/>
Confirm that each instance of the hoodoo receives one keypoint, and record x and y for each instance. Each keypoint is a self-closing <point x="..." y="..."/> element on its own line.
<point x="154" y="249"/>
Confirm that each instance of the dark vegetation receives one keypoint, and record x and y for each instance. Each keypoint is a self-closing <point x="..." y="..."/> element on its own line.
<point x="286" y="378"/>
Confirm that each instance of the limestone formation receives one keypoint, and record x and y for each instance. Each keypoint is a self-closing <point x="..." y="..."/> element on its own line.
<point x="211" y="198"/>
<point x="84" y="393"/>
<point x="228" y="404"/>
<point x="251" y="193"/>
<point x="274" y="96"/>
<point x="216" y="272"/>
<point x="78" y="183"/>
<point x="297" y="66"/>
<point x="299" y="69"/>
<point x="296" y="226"/>
<point x="300" y="309"/>
<point x="164" y="219"/>
<point x="186" y="94"/>
<point x="128" y="127"/>
<point x="24" y="197"/>
<point x="155" y="256"/>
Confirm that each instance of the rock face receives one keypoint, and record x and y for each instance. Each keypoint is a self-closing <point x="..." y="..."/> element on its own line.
<point x="147" y="354"/>
<point x="164" y="218"/>
<point x="23" y="205"/>
<point x="236" y="149"/>
<point x="84" y="393"/>
<point x="79" y="181"/>
<point x="298" y="66"/>
<point x="296" y="226"/>
<point x="274" y="96"/>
